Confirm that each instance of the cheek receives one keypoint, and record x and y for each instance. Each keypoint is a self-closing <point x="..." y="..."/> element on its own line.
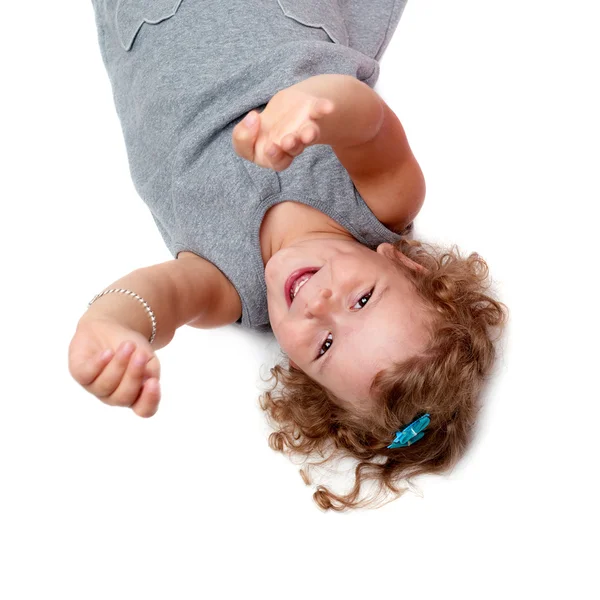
<point x="274" y="308"/>
<point x="285" y="337"/>
<point x="270" y="282"/>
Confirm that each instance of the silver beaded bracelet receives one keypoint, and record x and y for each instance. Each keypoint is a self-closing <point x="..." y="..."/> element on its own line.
<point x="130" y="293"/>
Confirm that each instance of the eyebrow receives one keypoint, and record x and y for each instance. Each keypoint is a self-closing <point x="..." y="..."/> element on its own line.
<point x="325" y="362"/>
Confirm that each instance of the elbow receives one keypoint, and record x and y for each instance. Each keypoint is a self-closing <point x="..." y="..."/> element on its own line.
<point x="412" y="190"/>
<point x="418" y="191"/>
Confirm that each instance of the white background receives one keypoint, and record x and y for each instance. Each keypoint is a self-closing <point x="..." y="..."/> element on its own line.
<point x="500" y="103"/>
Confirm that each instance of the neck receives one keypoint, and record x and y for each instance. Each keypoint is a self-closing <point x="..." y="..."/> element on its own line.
<point x="302" y="222"/>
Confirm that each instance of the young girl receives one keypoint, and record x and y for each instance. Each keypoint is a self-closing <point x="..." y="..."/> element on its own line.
<point x="282" y="184"/>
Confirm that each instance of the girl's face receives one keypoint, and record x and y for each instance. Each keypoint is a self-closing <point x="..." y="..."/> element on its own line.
<point x="352" y="318"/>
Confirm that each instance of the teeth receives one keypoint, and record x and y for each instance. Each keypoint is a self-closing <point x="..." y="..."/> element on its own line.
<point x="299" y="283"/>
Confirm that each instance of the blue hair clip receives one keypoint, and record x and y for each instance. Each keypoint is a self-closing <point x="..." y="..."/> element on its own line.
<point x="411" y="433"/>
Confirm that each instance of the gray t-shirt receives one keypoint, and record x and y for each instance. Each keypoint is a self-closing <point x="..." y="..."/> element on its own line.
<point x="185" y="72"/>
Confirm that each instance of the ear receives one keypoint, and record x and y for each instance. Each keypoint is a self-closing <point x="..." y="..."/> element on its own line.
<point x="390" y="252"/>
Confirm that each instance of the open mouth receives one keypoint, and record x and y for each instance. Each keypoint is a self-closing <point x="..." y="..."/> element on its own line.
<point x="295" y="282"/>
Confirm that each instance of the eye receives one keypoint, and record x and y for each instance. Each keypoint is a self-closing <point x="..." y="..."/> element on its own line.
<point x="367" y="296"/>
<point x="329" y="341"/>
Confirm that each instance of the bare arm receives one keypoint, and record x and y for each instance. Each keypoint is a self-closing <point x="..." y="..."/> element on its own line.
<point x="363" y="131"/>
<point x="386" y="173"/>
<point x="183" y="291"/>
<point x="369" y="140"/>
<point x="358" y="113"/>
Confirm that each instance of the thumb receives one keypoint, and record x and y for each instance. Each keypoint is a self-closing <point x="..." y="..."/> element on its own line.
<point x="245" y="134"/>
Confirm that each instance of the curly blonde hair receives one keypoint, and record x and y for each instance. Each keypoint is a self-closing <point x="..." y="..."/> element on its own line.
<point x="444" y="381"/>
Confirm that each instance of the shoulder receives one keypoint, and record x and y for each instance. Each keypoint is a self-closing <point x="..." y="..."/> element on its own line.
<point x="386" y="174"/>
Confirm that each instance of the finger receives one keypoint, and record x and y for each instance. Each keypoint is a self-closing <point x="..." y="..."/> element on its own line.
<point x="292" y="145"/>
<point x="321" y="107"/>
<point x="244" y="135"/>
<point x="152" y="369"/>
<point x="110" y="377"/>
<point x="278" y="159"/>
<point x="131" y="384"/>
<point x="86" y="371"/>
<point x="146" y="404"/>
<point x="309" y="134"/>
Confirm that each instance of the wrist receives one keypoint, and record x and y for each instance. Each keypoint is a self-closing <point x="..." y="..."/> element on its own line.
<point x="122" y="310"/>
<point x="153" y="285"/>
<point x="137" y="297"/>
<point x="358" y="110"/>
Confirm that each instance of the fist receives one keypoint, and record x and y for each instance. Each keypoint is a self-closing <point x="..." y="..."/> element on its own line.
<point x="290" y="123"/>
<point x="115" y="364"/>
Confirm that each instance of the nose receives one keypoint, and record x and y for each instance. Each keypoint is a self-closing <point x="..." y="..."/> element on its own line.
<point x="319" y="303"/>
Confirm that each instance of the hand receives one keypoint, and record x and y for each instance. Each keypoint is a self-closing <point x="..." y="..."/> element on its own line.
<point x="118" y="379"/>
<point x="289" y="124"/>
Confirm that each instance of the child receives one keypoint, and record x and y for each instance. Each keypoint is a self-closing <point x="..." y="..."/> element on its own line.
<point x="291" y="219"/>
